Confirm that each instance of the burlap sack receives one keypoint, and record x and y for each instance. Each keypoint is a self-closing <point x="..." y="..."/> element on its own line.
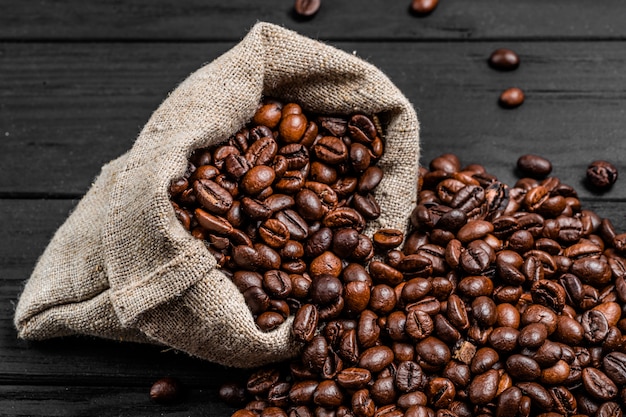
<point x="123" y="267"/>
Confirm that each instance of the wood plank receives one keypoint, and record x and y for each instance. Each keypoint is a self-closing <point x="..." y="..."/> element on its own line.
<point x="89" y="360"/>
<point x="345" y="20"/>
<point x="50" y="401"/>
<point x="70" y="107"/>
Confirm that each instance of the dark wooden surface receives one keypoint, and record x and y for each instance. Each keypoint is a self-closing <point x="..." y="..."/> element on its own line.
<point x="79" y="79"/>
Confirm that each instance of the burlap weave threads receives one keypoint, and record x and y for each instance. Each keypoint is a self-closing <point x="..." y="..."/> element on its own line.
<point x="122" y="266"/>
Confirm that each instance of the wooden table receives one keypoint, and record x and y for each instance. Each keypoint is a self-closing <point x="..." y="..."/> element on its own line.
<point x="79" y="79"/>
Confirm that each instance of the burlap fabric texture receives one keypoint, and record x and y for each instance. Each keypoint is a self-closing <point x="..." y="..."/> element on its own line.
<point x="122" y="267"/>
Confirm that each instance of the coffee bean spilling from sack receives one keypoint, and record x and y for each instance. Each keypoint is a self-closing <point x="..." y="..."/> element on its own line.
<point x="504" y="301"/>
<point x="283" y="203"/>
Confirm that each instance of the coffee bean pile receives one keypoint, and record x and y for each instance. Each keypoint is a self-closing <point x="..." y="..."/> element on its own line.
<point x="504" y="301"/>
<point x="283" y="201"/>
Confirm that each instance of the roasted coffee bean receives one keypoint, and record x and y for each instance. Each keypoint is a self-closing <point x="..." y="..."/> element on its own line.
<point x="523" y="368"/>
<point x="383" y="391"/>
<point x="508" y="402"/>
<point x="387" y="239"/>
<point x="262" y="380"/>
<point x="595" y="326"/>
<point x="484" y="311"/>
<point x="598" y="385"/>
<point x="548" y="293"/>
<point x="409" y="376"/>
<point x="484" y="387"/>
<point x="331" y="150"/>
<point x="345" y="242"/>
<point x="232" y="394"/>
<point x="315" y="353"/>
<point x="440" y="392"/>
<point x="534" y="166"/>
<point x="362" y="129"/>
<point x="423" y="7"/>
<point x="325" y="289"/>
<point x="375" y="359"/>
<point x="484" y="359"/>
<point x="609" y="409"/>
<point x="369" y="180"/>
<point x="166" y="390"/>
<point x="354" y="378"/>
<point x="504" y="60"/>
<point x="212" y="196"/>
<point x="382" y="299"/>
<point x="504" y="339"/>
<point x="601" y="174"/>
<point x="538" y="395"/>
<point x="296" y="225"/>
<point x="269" y="320"/>
<point x="362" y="404"/>
<point x="537" y="313"/>
<point x="327" y="394"/>
<point x="532" y="335"/>
<point x="614" y="365"/>
<point x="433" y="351"/>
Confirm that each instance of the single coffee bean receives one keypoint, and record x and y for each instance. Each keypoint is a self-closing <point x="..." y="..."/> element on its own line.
<point x="614" y="365"/>
<point x="504" y="60"/>
<point x="484" y="359"/>
<point x="598" y="385"/>
<point x="409" y="376"/>
<point x="354" y="378"/>
<point x="433" y="351"/>
<point x="539" y="395"/>
<point x="508" y="402"/>
<point x="375" y="359"/>
<point x="511" y="98"/>
<point x="325" y="289"/>
<point x="383" y="391"/>
<point x="362" y="404"/>
<point x="269" y="320"/>
<point x="387" y="239"/>
<point x="166" y="390"/>
<point x="274" y="233"/>
<point x="306" y="8"/>
<point x="534" y="166"/>
<point x="212" y="196"/>
<point x="533" y="335"/>
<point x="423" y="7"/>
<point x="484" y="387"/>
<point x="327" y="394"/>
<point x="440" y="392"/>
<point x="595" y="326"/>
<point x="601" y="174"/>
<point x="232" y="394"/>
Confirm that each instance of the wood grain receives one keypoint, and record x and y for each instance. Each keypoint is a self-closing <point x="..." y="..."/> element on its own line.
<point x="338" y="20"/>
<point x="69" y="108"/>
<point x="119" y="401"/>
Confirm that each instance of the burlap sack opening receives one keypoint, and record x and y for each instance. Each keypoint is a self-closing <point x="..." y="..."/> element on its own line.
<point x="122" y="266"/>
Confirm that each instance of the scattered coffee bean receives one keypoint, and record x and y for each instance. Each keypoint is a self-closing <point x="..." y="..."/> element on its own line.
<point x="306" y="8"/>
<point x="166" y="390"/>
<point x="423" y="7"/>
<point x="511" y="98"/>
<point x="601" y="174"/>
<point x="504" y="60"/>
<point x="534" y="166"/>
